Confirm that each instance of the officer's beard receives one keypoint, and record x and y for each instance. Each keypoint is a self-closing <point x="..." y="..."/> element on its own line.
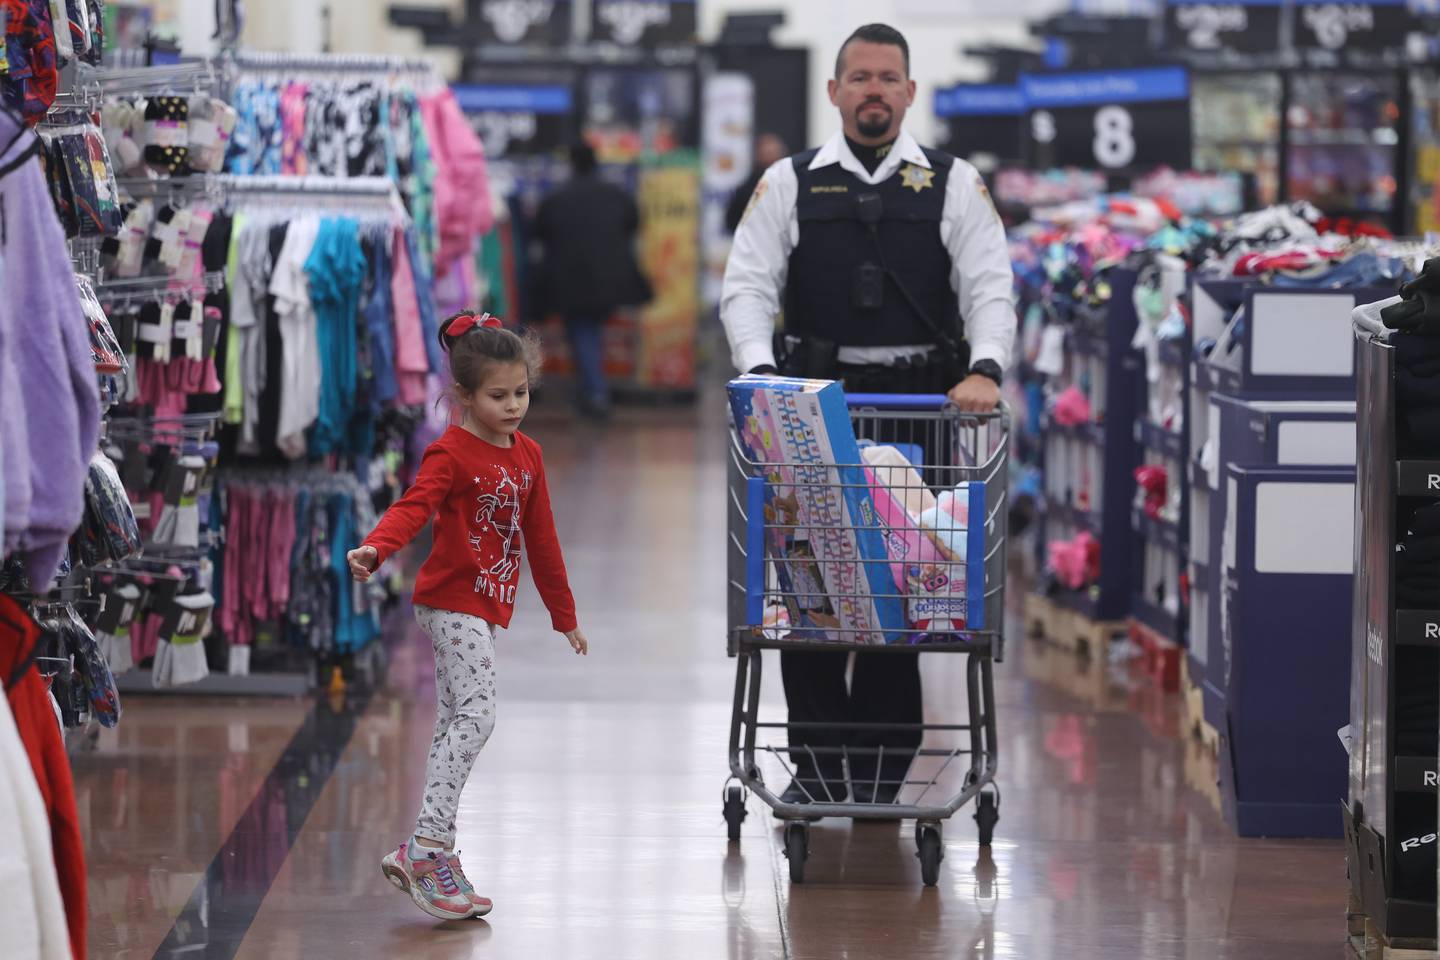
<point x="875" y="127"/>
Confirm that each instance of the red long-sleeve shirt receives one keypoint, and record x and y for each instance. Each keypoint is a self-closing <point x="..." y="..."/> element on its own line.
<point x="483" y="498"/>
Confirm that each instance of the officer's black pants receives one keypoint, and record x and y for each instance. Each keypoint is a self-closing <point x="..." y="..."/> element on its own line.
<point x="885" y="689"/>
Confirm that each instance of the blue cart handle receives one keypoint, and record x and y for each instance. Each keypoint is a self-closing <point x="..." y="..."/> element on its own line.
<point x="897" y="401"/>
<point x="909" y="401"/>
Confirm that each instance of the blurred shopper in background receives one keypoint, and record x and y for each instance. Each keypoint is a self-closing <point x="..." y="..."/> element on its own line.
<point x="587" y="229"/>
<point x="770" y="149"/>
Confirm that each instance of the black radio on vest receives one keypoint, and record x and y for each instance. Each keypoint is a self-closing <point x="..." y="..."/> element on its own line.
<point x="836" y="285"/>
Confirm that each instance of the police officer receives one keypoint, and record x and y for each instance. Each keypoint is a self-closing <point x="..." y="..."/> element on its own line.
<point x="874" y="248"/>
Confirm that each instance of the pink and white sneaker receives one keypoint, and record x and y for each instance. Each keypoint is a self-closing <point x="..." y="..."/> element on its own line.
<point x="479" y="905"/>
<point x="428" y="880"/>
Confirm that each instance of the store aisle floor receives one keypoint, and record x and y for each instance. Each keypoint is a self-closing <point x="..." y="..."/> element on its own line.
<point x="223" y="829"/>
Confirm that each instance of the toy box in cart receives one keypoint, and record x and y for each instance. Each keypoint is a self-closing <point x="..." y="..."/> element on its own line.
<point x="853" y="563"/>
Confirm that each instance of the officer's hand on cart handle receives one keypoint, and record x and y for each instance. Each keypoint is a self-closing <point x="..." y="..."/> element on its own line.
<point x="977" y="393"/>
<point x="578" y="641"/>
<point x="363" y="561"/>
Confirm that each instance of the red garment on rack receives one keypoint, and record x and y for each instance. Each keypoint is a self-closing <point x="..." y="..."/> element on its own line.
<point x="35" y="719"/>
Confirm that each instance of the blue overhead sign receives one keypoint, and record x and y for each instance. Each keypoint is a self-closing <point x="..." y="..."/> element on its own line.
<point x="474" y="98"/>
<point x="1097" y="88"/>
<point x="979" y="100"/>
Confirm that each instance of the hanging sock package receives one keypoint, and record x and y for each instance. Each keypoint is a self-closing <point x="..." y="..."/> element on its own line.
<point x="212" y="122"/>
<point x="180" y="518"/>
<point x="108" y="531"/>
<point x="167" y="133"/>
<point x="82" y="179"/>
<point x="180" y="657"/>
<point x="105" y="347"/>
<point x="119" y="607"/>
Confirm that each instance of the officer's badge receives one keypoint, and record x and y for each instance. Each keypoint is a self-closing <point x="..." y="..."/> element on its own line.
<point x="917" y="178"/>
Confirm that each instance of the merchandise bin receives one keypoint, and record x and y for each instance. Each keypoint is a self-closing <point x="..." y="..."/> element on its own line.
<point x="1284" y="609"/>
<point x="1259" y="433"/>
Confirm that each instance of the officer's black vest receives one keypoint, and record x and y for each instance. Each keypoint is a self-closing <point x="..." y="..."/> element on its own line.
<point x="820" y="288"/>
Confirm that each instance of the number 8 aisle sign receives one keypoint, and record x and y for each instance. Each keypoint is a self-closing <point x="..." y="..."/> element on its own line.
<point x="1110" y="120"/>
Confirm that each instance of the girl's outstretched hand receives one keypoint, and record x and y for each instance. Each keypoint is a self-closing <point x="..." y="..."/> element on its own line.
<point x="363" y="561"/>
<point x="578" y="641"/>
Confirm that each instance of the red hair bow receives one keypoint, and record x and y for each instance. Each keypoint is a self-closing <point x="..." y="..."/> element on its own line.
<point x="463" y="324"/>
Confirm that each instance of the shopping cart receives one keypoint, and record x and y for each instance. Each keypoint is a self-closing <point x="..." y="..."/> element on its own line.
<point x="773" y="606"/>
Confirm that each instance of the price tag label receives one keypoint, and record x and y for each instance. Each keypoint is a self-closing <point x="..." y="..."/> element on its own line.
<point x="1109" y="120"/>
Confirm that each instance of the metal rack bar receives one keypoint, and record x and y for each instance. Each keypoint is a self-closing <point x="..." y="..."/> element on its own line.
<point x="190" y="75"/>
<point x="343" y="186"/>
<point x="176" y="188"/>
<point x="255" y="61"/>
<point x="148" y="289"/>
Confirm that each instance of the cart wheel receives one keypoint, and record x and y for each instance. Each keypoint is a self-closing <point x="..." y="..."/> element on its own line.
<point x="987" y="814"/>
<point x="797" y="848"/>
<point x="734" y="811"/>
<point x="930" y="851"/>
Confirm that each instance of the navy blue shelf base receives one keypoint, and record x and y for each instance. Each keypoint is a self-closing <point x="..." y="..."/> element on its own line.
<point x="1420" y="628"/>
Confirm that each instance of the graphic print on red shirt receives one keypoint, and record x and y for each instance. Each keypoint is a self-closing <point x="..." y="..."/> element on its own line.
<point x="495" y="538"/>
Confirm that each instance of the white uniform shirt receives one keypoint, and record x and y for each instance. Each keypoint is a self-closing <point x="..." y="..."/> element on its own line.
<point x="970" y="228"/>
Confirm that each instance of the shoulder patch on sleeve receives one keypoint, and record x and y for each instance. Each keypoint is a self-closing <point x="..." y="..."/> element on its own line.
<point x="984" y="192"/>
<point x="760" y="189"/>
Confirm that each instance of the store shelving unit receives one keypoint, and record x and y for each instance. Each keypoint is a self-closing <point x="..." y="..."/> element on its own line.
<point x="1392" y="796"/>
<point x="1157" y="616"/>
<point x="1089" y="482"/>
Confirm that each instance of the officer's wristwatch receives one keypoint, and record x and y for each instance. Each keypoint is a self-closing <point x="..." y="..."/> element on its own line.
<point x="990" y="369"/>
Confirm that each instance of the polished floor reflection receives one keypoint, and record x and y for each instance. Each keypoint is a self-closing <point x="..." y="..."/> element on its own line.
<point x="593" y="818"/>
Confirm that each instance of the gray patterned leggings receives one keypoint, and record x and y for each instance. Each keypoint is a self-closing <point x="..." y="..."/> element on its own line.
<point x="465" y="708"/>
